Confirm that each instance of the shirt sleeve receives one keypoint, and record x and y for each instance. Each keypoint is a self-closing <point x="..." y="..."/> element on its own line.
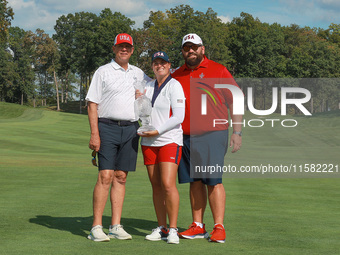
<point x="94" y="93"/>
<point x="176" y="119"/>
<point x="177" y="97"/>
<point x="177" y="107"/>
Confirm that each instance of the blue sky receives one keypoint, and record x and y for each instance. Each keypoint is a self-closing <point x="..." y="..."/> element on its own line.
<point x="33" y="14"/>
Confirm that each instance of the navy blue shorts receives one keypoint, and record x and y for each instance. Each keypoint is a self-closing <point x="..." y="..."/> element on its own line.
<point x="118" y="146"/>
<point x="200" y="152"/>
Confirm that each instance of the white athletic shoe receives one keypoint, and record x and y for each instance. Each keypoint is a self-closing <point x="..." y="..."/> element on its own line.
<point x="159" y="233"/>
<point x="173" y="236"/>
<point x="118" y="232"/>
<point x="97" y="234"/>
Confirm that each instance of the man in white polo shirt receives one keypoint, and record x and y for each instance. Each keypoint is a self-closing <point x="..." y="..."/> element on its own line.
<point x="114" y="136"/>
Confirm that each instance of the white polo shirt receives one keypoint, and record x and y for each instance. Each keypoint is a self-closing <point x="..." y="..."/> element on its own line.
<point x="112" y="88"/>
<point x="171" y="96"/>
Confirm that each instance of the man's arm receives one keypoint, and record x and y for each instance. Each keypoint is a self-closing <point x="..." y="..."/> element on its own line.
<point x="235" y="139"/>
<point x="94" y="143"/>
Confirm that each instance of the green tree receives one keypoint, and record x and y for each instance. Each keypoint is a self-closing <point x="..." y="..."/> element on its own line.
<point x="257" y="48"/>
<point x="23" y="50"/>
<point x="160" y="29"/>
<point x="214" y="34"/>
<point x="166" y="30"/>
<point x="140" y="56"/>
<point x="258" y="51"/>
<point x="46" y="60"/>
<point x="332" y="34"/>
<point x="7" y="76"/>
<point x="85" y="42"/>
<point x="64" y="38"/>
<point x="76" y="36"/>
<point x="110" y="24"/>
<point x="309" y="55"/>
<point x="6" y="16"/>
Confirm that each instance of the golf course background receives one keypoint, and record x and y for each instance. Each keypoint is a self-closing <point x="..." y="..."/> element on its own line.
<point x="47" y="179"/>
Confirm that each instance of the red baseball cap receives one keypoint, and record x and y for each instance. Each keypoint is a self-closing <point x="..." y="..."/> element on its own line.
<point x="123" y="38"/>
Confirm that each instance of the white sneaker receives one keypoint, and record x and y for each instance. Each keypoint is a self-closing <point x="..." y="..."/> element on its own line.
<point x="173" y="236"/>
<point x="159" y="233"/>
<point x="97" y="234"/>
<point x="118" y="232"/>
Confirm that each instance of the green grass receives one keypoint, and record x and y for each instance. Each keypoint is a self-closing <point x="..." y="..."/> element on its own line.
<point x="8" y="111"/>
<point x="46" y="184"/>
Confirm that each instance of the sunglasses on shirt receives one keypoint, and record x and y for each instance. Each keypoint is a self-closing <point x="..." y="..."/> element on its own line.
<point x="195" y="47"/>
<point x="94" y="161"/>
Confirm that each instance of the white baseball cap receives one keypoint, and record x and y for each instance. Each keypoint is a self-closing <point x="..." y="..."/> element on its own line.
<point x="193" y="38"/>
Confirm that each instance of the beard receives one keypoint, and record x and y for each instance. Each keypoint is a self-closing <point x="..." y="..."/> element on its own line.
<point x="194" y="61"/>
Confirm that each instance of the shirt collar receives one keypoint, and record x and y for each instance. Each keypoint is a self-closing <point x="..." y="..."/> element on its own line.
<point x="116" y="66"/>
<point x="157" y="90"/>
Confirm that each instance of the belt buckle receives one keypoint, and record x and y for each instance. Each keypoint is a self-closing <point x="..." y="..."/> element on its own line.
<point x="118" y="122"/>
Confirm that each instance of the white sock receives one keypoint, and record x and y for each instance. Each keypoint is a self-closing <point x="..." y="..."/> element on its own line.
<point x="199" y="224"/>
<point x="219" y="224"/>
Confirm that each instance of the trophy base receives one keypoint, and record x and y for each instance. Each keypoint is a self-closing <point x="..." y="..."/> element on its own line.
<point x="145" y="128"/>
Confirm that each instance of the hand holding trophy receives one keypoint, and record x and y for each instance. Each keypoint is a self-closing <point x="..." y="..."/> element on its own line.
<point x="143" y="108"/>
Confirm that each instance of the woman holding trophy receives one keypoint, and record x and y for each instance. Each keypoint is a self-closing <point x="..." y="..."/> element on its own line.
<point x="162" y="146"/>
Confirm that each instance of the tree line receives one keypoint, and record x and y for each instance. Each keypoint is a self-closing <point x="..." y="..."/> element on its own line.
<point x="37" y="69"/>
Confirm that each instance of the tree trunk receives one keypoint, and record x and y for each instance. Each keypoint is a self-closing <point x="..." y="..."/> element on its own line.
<point x="264" y="96"/>
<point x="57" y="90"/>
<point x="66" y="88"/>
<point x="80" y="91"/>
<point x="62" y="92"/>
<point x="45" y="87"/>
<point x="323" y="105"/>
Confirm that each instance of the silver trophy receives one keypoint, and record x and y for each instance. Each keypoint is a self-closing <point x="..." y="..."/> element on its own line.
<point x="143" y="108"/>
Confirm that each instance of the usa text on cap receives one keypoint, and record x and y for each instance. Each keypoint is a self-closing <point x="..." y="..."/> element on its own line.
<point x="123" y="38"/>
<point x="160" y="54"/>
<point x="193" y="38"/>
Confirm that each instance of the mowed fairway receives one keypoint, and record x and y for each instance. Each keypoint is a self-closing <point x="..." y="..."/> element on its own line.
<point x="47" y="179"/>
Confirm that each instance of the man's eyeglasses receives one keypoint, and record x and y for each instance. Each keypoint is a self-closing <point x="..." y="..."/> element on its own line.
<point x="195" y="47"/>
<point x="94" y="161"/>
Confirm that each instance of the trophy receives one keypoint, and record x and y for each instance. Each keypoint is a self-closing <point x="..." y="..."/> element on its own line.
<point x="143" y="108"/>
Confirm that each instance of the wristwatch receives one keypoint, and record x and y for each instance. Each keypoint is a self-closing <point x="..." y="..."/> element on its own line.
<point x="237" y="133"/>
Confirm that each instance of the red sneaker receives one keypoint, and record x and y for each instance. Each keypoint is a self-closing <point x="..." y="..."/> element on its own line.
<point x="218" y="234"/>
<point x="194" y="231"/>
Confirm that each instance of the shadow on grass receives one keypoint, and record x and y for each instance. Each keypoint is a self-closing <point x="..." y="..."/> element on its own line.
<point x="82" y="225"/>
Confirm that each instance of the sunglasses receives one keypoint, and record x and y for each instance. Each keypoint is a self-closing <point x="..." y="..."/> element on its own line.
<point x="94" y="161"/>
<point x="195" y="47"/>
